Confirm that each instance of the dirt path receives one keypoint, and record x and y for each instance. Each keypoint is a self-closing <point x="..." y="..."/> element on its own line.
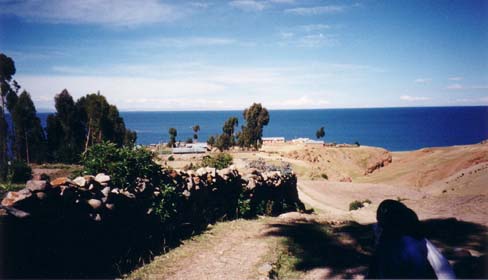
<point x="231" y="250"/>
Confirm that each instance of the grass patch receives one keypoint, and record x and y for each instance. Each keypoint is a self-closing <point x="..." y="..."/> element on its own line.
<point x="356" y="204"/>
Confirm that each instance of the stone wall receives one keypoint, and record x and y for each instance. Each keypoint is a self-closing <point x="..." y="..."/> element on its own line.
<point x="87" y="227"/>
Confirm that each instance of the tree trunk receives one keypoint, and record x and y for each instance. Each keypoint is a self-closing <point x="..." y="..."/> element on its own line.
<point x="27" y="148"/>
<point x="87" y="137"/>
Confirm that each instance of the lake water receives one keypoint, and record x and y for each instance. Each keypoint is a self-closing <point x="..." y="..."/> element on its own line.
<point x="396" y="129"/>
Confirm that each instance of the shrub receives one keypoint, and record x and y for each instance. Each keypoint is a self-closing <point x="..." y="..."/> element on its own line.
<point x="220" y="161"/>
<point x="19" y="172"/>
<point x="124" y="165"/>
<point x="356" y="204"/>
<point x="167" y="208"/>
<point x="325" y="176"/>
<point x="171" y="158"/>
<point x="357" y="144"/>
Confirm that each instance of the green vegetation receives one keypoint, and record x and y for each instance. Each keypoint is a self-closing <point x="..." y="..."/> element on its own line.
<point x="172" y="137"/>
<point x="256" y="118"/>
<point x="324" y="176"/>
<point x="123" y="164"/>
<point x="196" y="129"/>
<point x="171" y="158"/>
<point x="320" y="133"/>
<point x="356" y="204"/>
<point x="227" y="139"/>
<point x="77" y="126"/>
<point x="211" y="140"/>
<point x="70" y="131"/>
<point x="19" y="172"/>
<point x="219" y="161"/>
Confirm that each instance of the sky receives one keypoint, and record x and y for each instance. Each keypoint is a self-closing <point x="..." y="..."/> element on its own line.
<point x="225" y="55"/>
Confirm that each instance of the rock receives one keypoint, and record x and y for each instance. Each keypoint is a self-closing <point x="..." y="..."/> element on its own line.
<point x="251" y="184"/>
<point x="202" y="171"/>
<point x="102" y="178"/>
<point x="196" y="180"/>
<point x="16" y="212"/>
<point x="110" y="206"/>
<point x="115" y="191"/>
<point x="89" y="178"/>
<point x="14" y="197"/>
<point x="106" y="191"/>
<point x="36" y="185"/>
<point x="265" y="269"/>
<point x="80" y="181"/>
<point x="94" y="203"/>
<point x="60" y="181"/>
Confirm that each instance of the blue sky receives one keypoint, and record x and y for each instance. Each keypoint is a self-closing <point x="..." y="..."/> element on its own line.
<point x="220" y="55"/>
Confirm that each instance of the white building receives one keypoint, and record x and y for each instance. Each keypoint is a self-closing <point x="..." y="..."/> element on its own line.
<point x="272" y="140"/>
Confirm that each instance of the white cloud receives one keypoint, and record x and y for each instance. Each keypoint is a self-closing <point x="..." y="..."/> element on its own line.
<point x="413" y="98"/>
<point x="308" y="41"/>
<point x="319" y="10"/>
<point x="248" y="5"/>
<point x="105" y="12"/>
<point x="423" y="80"/>
<point x="184" y="42"/>
<point x="314" y="27"/>
<point x="456" y="78"/>
<point x="455" y="87"/>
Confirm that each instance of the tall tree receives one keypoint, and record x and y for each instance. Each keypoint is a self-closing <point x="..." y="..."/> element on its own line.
<point x="227" y="138"/>
<point x="172" y="137"/>
<point x="320" y="133"/>
<point x="256" y="118"/>
<point x="30" y="141"/>
<point x="3" y="146"/>
<point x="102" y="122"/>
<point x="196" y="129"/>
<point x="7" y="70"/>
<point x="65" y="131"/>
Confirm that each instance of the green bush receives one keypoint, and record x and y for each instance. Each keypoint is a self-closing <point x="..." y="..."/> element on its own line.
<point x="325" y="176"/>
<point x="220" y="161"/>
<point x="168" y="207"/>
<point x="19" y="172"/>
<point x="356" y="204"/>
<point x="171" y="158"/>
<point x="124" y="165"/>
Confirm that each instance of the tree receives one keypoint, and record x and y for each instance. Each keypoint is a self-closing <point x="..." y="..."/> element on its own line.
<point x="172" y="137"/>
<point x="256" y="118"/>
<point x="211" y="140"/>
<point x="196" y="129"/>
<point x="30" y="141"/>
<point x="320" y="133"/>
<point x="7" y="70"/>
<point x="65" y="131"/>
<point x="102" y="122"/>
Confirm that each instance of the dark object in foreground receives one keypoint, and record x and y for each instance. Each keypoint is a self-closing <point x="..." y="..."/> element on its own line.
<point x="402" y="251"/>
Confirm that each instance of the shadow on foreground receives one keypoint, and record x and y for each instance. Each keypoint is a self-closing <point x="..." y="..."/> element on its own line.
<point x="345" y="250"/>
